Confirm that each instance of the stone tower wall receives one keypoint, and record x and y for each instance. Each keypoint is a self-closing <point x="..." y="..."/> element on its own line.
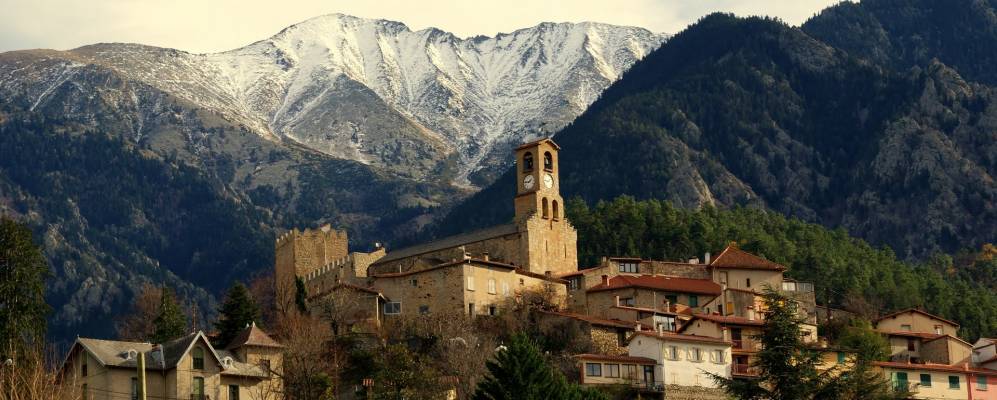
<point x="299" y="253"/>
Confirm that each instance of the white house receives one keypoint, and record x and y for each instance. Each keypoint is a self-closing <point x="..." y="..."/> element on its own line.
<point x="683" y="360"/>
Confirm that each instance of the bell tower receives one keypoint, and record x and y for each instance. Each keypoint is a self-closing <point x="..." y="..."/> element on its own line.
<point x="548" y="242"/>
<point x="538" y="188"/>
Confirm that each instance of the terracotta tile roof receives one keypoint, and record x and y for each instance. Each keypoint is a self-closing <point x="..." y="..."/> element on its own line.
<point x="749" y="291"/>
<point x="524" y="272"/>
<point x="733" y="257"/>
<point x="680" y="337"/>
<point x="986" y="342"/>
<point x="964" y="368"/>
<point x="593" y="320"/>
<point x="915" y="310"/>
<point x="660" y="282"/>
<point x="449" y="242"/>
<point x="728" y="319"/>
<point x="444" y="265"/>
<point x="346" y="286"/>
<point x="619" y="359"/>
<point x="569" y="274"/>
<point x="541" y="140"/>
<point x="252" y="336"/>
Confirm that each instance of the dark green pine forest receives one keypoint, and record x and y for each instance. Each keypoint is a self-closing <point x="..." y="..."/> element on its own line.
<point x="858" y="149"/>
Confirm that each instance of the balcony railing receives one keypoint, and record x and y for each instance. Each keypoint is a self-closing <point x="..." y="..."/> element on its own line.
<point x="743" y="369"/>
<point x="738" y="343"/>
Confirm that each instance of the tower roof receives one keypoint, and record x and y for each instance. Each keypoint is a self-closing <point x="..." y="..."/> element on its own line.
<point x="252" y="336"/>
<point x="537" y="142"/>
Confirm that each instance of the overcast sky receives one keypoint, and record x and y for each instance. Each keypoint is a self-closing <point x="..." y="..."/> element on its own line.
<point x="217" y="25"/>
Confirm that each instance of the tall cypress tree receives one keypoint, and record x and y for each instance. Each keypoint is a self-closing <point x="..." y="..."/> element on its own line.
<point x="170" y="323"/>
<point x="23" y="270"/>
<point x="238" y="311"/>
<point x="519" y="372"/>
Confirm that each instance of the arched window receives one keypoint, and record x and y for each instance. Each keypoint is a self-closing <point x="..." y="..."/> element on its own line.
<point x="554" y="207"/>
<point x="527" y="162"/>
<point x="548" y="161"/>
<point x="198" y="355"/>
<point x="546" y="213"/>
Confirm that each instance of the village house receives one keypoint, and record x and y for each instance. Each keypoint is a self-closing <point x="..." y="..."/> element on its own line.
<point x="186" y="368"/>
<point x="687" y="361"/>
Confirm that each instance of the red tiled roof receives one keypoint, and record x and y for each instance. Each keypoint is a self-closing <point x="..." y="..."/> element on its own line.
<point x="252" y="336"/>
<point x="593" y="320"/>
<point x="541" y="140"/>
<point x="620" y="359"/>
<point x="660" y="282"/>
<point x="922" y="335"/>
<point x="915" y="310"/>
<point x="964" y="368"/>
<point x="683" y="337"/>
<point x="733" y="257"/>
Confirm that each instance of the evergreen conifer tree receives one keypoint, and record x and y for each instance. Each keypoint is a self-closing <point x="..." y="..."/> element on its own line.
<point x="170" y="323"/>
<point x="519" y="372"/>
<point x="236" y="313"/>
<point x="300" y="295"/>
<point x="23" y="270"/>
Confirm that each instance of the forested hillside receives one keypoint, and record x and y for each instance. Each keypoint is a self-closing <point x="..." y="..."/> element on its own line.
<point x="750" y="111"/>
<point x="847" y="272"/>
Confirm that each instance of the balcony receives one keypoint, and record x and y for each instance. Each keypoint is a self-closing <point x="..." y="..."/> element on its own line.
<point x="743" y="370"/>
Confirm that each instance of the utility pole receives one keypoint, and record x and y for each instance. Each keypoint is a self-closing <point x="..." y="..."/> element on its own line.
<point x="141" y="376"/>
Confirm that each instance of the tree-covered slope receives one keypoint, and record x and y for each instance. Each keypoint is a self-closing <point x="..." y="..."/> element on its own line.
<point x="847" y="272"/>
<point x="749" y="111"/>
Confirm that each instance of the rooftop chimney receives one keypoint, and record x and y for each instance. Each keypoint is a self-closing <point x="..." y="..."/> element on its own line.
<point x="605" y="280"/>
<point x="751" y="313"/>
<point x="484" y="256"/>
<point x="706" y="258"/>
<point x="694" y="260"/>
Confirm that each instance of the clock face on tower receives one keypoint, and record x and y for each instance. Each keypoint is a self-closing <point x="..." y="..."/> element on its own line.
<point x="528" y="182"/>
<point x="548" y="181"/>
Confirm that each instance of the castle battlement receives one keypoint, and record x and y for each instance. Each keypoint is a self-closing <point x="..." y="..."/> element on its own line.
<point x="327" y="268"/>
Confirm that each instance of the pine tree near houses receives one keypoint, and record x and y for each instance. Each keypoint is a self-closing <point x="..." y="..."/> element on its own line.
<point x="519" y="372"/>
<point x="236" y="313"/>
<point x="170" y="323"/>
<point x="23" y="270"/>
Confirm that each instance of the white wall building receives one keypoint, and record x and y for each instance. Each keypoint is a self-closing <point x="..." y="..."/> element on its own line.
<point x="684" y="360"/>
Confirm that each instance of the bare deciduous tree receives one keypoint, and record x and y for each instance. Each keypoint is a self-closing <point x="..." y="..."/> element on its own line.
<point x="137" y="324"/>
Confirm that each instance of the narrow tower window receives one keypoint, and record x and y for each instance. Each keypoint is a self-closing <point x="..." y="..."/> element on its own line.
<point x="554" y="207"/>
<point x="527" y="162"/>
<point x="548" y="161"/>
<point x="546" y="213"/>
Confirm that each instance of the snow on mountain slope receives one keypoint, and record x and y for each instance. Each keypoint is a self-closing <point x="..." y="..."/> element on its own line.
<point x="420" y="103"/>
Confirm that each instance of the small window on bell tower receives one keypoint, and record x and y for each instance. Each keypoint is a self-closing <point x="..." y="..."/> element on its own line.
<point x="527" y="162"/>
<point x="546" y="213"/>
<point x="548" y="161"/>
<point x="554" y="208"/>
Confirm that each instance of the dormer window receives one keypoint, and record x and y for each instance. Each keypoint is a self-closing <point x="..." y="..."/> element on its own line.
<point x="548" y="161"/>
<point x="198" y="357"/>
<point x="527" y="162"/>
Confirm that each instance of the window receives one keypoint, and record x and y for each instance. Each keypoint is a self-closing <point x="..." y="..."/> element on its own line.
<point x="673" y="353"/>
<point x="612" y="370"/>
<point x="953" y="382"/>
<point x="265" y="365"/>
<point x="198" y="355"/>
<point x="900" y="381"/>
<point x="693" y="301"/>
<point x="83" y="365"/>
<point x="695" y="354"/>
<point x="627" y="301"/>
<point x="747" y="282"/>
<point x="392" y="308"/>
<point x="553" y="204"/>
<point x="491" y="286"/>
<point x="925" y="380"/>
<point x="841" y="357"/>
<point x="522" y="282"/>
<point x="470" y="283"/>
<point x="527" y="162"/>
<point x="574" y="283"/>
<point x="197" y="389"/>
<point x="134" y="388"/>
<point x="415" y="283"/>
<point x="938" y="330"/>
<point x="630" y="371"/>
<point x="470" y="309"/>
<point x="546" y="212"/>
<point x="233" y="392"/>
<point x="911" y="345"/>
<point x="905" y="327"/>
<point x="981" y="382"/>
<point x="621" y="338"/>
<point x="423" y="310"/>
<point x="548" y="161"/>
<point x="718" y="356"/>
<point x="628" y="267"/>
<point x="492" y="310"/>
<point x="672" y="299"/>
<point x="505" y="288"/>
<point x="593" y="369"/>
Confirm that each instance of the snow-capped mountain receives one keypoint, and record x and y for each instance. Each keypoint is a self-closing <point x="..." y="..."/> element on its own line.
<point x="424" y="104"/>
